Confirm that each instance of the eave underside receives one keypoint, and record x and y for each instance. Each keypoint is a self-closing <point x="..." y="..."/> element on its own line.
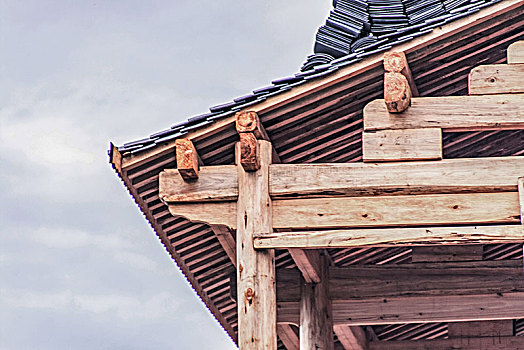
<point x="326" y="126"/>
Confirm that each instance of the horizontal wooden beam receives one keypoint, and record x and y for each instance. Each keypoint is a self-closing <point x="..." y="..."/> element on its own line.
<point x="496" y="79"/>
<point x="356" y="212"/>
<point x="367" y="282"/>
<point x="450" y="113"/>
<point x="466" y="343"/>
<point x="401" y="145"/>
<point x="391" y="237"/>
<point x="416" y="309"/>
<point x="516" y="53"/>
<point x="220" y="183"/>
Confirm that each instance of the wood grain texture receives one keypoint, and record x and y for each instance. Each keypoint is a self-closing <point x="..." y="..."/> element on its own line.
<point x="250" y="158"/>
<point x="397" y="93"/>
<point x="227" y="241"/>
<point x="215" y="183"/>
<point x="448" y="253"/>
<point x="223" y="213"/>
<point x="218" y="183"/>
<point x="416" y="309"/>
<point x="497" y="328"/>
<point x="351" y="337"/>
<point x="366" y="282"/>
<point x="447" y="209"/>
<point x="496" y="79"/>
<point x="520" y="186"/>
<point x="402" y="145"/>
<point x="450" y="113"/>
<point x="288" y="336"/>
<point x="468" y="343"/>
<point x="316" y="325"/>
<point x="516" y="53"/>
<point x="256" y="287"/>
<point x="186" y="159"/>
<point x="308" y="262"/>
<point x="380" y="237"/>
<point x="396" y="61"/>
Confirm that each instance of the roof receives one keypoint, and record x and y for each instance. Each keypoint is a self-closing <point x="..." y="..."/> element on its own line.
<point x="319" y="119"/>
<point x="354" y="30"/>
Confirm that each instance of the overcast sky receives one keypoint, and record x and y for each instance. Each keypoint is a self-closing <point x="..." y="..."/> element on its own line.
<point x="79" y="266"/>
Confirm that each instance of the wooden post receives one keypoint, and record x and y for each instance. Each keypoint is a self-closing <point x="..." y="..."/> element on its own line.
<point x="316" y="322"/>
<point x="256" y="269"/>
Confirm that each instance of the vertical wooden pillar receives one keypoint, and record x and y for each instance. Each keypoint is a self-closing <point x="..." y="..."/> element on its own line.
<point x="255" y="269"/>
<point x="316" y="323"/>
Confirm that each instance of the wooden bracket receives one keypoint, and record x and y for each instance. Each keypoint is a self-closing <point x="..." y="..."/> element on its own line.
<point x="399" y="85"/>
<point x="186" y="159"/>
<point x="249" y="158"/>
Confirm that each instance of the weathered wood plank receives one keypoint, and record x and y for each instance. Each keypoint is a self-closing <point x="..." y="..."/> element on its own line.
<point x="355" y="212"/>
<point x="316" y="327"/>
<point x="416" y="309"/>
<point x="308" y="262"/>
<point x="380" y="237"/>
<point x="186" y="159"/>
<point x="446" y="209"/>
<point x="516" y="53"/>
<point x="496" y="328"/>
<point x="496" y="79"/>
<point x="468" y="343"/>
<point x="351" y="337"/>
<point x="401" y="145"/>
<point x="288" y="336"/>
<point x="219" y="183"/>
<point x="397" y="94"/>
<point x="405" y="280"/>
<point x="256" y="287"/>
<point x="450" y="113"/>
<point x="215" y="183"/>
<point x="453" y="252"/>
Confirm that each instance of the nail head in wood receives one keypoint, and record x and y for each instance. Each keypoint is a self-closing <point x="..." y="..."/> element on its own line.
<point x="186" y="159"/>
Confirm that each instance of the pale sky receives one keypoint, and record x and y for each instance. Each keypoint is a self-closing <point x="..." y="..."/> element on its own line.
<point x="79" y="266"/>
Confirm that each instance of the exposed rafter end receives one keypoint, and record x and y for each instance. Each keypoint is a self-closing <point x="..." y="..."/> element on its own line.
<point x="399" y="85"/>
<point x="250" y="129"/>
<point x="186" y="159"/>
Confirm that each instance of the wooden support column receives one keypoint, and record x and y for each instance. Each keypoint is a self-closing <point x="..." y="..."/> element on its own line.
<point x="256" y="269"/>
<point x="316" y="322"/>
<point x="186" y="159"/>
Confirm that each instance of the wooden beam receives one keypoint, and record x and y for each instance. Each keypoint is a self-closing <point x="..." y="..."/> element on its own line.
<point x="227" y="241"/>
<point x="496" y="79"/>
<point x="516" y="53"/>
<point x="351" y="337"/>
<point x="186" y="159"/>
<point x="248" y="122"/>
<point x="256" y="269"/>
<point x="490" y="112"/>
<point x="496" y="328"/>
<point x="308" y="262"/>
<point x="397" y="94"/>
<point x="396" y="61"/>
<point x="287" y="335"/>
<point x="445" y="209"/>
<point x="353" y="212"/>
<point x="380" y="237"/>
<point x="220" y="183"/>
<point x="316" y="325"/>
<point x="401" y="145"/>
<point x="468" y="343"/>
<point x="448" y="253"/>
<point x="416" y="309"/>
